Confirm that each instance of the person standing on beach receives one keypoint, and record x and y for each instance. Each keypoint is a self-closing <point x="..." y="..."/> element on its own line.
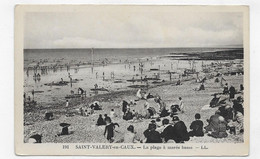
<point x="133" y="79"/>
<point x="232" y="92"/>
<point x="103" y="76"/>
<point x="181" y="106"/>
<point x="70" y="82"/>
<point x="109" y="130"/>
<point x="225" y="91"/>
<point x="170" y="75"/>
<point x="96" y="86"/>
<point x="33" y="94"/>
<point x="67" y="104"/>
<point x="221" y="80"/>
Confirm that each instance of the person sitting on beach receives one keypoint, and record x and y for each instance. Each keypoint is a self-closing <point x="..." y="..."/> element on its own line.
<point x="91" y="111"/>
<point x="100" y="121"/>
<point x="225" y="91"/>
<point x="109" y="129"/>
<point x="148" y="96"/>
<point x="82" y="111"/>
<point x="158" y="122"/>
<point x="226" y="111"/>
<point x="95" y="106"/>
<point x="163" y="111"/>
<point x="167" y="130"/>
<point x="145" y="113"/>
<point x="237" y="124"/>
<point x="106" y="117"/>
<point x="49" y="115"/>
<point x="196" y="127"/>
<point x="35" y="137"/>
<point x="65" y="129"/>
<point x="174" y="109"/>
<point x="178" y="83"/>
<point x="241" y="87"/>
<point x="202" y="87"/>
<point x="180" y="133"/>
<point x="238" y="106"/>
<point x="80" y="91"/>
<point x="124" y="106"/>
<point x="139" y="94"/>
<point x="130" y="136"/>
<point x="213" y="122"/>
<point x="220" y="130"/>
<point x="152" y="112"/>
<point x="151" y="135"/>
<point x="128" y="115"/>
<point x="214" y="101"/>
<point x="137" y="116"/>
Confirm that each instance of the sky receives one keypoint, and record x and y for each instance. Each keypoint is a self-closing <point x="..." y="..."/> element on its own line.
<point x="132" y="28"/>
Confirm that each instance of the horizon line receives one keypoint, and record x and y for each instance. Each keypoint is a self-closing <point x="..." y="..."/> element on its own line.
<point x="227" y="46"/>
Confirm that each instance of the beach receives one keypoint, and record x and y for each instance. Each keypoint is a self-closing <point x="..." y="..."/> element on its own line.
<point x="84" y="130"/>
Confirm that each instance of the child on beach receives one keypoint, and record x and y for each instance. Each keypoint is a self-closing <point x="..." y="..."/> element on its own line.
<point x="67" y="104"/>
<point x="196" y="127"/>
<point x="112" y="113"/>
<point x="106" y="117"/>
<point x="109" y="130"/>
<point x="181" y="106"/>
<point x="100" y="120"/>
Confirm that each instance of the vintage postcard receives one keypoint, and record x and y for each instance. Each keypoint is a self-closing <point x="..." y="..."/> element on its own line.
<point x="132" y="80"/>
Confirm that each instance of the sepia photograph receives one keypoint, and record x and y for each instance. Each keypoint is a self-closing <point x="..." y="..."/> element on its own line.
<point x="139" y="75"/>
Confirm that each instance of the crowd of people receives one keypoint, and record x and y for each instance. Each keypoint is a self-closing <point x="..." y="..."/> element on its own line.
<point x="166" y="125"/>
<point x="228" y="119"/>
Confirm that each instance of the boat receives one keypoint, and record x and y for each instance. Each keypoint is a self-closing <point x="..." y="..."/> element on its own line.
<point x="137" y="86"/>
<point x="61" y="83"/>
<point x="37" y="91"/>
<point x="99" y="89"/>
<point x="118" y="81"/>
<point x="134" y="80"/>
<point x="154" y="69"/>
<point x="73" y="96"/>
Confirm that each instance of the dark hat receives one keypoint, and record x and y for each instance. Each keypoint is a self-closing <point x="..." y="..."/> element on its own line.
<point x="197" y="116"/>
<point x="151" y="126"/>
<point x="130" y="128"/>
<point x="175" y="118"/>
<point x="239" y="99"/>
<point x="64" y="124"/>
<point x="165" y="121"/>
<point x="223" y="103"/>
